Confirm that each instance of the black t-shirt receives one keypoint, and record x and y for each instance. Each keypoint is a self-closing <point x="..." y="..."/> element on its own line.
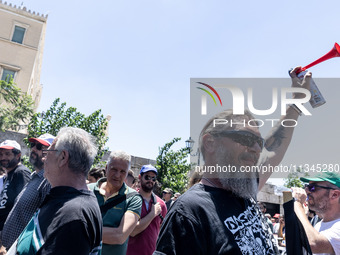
<point x="70" y="222"/>
<point x="207" y="220"/>
<point x="13" y="184"/>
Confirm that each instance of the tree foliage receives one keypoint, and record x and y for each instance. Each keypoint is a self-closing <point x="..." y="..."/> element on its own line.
<point x="58" y="116"/>
<point x="173" y="167"/>
<point x="293" y="179"/>
<point x="15" y="106"/>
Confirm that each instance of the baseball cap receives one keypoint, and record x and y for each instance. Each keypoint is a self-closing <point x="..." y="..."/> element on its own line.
<point x="168" y="190"/>
<point x="331" y="177"/>
<point x="45" y="139"/>
<point x="276" y="215"/>
<point x="147" y="168"/>
<point x="10" y="145"/>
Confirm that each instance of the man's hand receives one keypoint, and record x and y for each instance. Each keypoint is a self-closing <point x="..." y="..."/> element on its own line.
<point x="144" y="222"/>
<point x="3" y="250"/>
<point x="300" y="83"/>
<point x="300" y="195"/>
<point x="156" y="209"/>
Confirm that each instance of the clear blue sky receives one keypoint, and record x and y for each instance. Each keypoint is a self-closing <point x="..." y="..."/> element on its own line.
<point x="134" y="60"/>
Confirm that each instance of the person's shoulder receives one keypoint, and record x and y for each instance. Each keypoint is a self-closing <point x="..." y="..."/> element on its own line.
<point x="196" y="196"/>
<point x="80" y="200"/>
<point x="130" y="190"/>
<point x="22" y="169"/>
<point x="198" y="191"/>
<point x="335" y="224"/>
<point x="202" y="196"/>
<point x="133" y="195"/>
<point x="21" y="172"/>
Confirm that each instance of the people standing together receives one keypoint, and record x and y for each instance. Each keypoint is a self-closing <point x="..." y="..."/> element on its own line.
<point x="56" y="210"/>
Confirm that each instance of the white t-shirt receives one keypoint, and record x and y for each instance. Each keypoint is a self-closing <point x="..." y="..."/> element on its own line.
<point x="331" y="230"/>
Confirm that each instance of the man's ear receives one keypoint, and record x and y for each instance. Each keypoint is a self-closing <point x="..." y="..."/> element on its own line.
<point x="209" y="143"/>
<point x="63" y="158"/>
<point x="139" y="177"/>
<point x="336" y="194"/>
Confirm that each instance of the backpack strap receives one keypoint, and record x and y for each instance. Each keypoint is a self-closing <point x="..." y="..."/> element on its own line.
<point x="154" y="201"/>
<point x="106" y="206"/>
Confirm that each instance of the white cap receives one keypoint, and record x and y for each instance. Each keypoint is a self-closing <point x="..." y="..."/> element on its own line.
<point x="10" y="145"/>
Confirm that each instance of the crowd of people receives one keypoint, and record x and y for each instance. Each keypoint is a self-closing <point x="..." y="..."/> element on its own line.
<point x="63" y="207"/>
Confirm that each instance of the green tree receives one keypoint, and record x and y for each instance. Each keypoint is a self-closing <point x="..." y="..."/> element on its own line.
<point x="15" y="106"/>
<point x="293" y="179"/>
<point x="173" y="167"/>
<point x="25" y="160"/>
<point x="57" y="116"/>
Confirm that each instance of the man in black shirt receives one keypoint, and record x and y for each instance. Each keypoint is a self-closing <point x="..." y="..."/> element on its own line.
<point x="219" y="215"/>
<point x="31" y="196"/>
<point x="69" y="220"/>
<point x="17" y="176"/>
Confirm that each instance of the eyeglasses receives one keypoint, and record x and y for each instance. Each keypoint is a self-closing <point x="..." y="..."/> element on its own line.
<point x="148" y="178"/>
<point x="312" y="187"/>
<point x="244" y="138"/>
<point x="38" y="146"/>
<point x="44" y="152"/>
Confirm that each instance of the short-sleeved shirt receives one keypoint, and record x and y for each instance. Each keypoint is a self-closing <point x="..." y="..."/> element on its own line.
<point x="208" y="220"/>
<point x="26" y="204"/>
<point x="331" y="230"/>
<point x="68" y="222"/>
<point x="113" y="216"/>
<point x="145" y="242"/>
<point x="13" y="184"/>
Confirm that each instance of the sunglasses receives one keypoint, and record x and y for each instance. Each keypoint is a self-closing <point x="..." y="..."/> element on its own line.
<point x="312" y="187"/>
<point x="38" y="146"/>
<point x="244" y="138"/>
<point x="148" y="178"/>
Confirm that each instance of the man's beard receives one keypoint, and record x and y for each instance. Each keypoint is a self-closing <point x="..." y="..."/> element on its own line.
<point x="37" y="161"/>
<point x="244" y="185"/>
<point x="12" y="163"/>
<point x="319" y="206"/>
<point x="146" y="188"/>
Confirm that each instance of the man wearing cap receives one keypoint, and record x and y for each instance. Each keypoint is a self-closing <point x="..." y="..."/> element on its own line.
<point x="32" y="195"/>
<point x="119" y="204"/>
<point x="143" y="238"/>
<point x="167" y="194"/>
<point x="17" y="176"/>
<point x="323" y="197"/>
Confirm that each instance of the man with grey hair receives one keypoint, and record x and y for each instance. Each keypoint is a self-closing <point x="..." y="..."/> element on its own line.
<point x="120" y="205"/>
<point x="69" y="219"/>
<point x="219" y="215"/>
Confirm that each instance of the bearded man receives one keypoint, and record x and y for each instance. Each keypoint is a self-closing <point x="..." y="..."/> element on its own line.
<point x="17" y="175"/>
<point x="323" y="193"/>
<point x="219" y="215"/>
<point x="32" y="195"/>
<point x="143" y="238"/>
